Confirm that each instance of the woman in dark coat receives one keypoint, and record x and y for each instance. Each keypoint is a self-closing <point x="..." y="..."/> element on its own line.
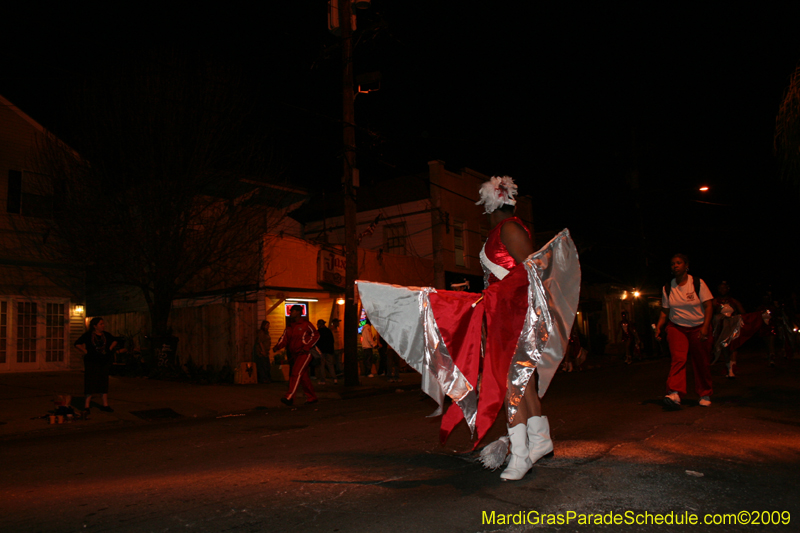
<point x="96" y="344"/>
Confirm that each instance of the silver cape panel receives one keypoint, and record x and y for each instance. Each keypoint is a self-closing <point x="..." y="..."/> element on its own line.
<point x="403" y="316"/>
<point x="554" y="276"/>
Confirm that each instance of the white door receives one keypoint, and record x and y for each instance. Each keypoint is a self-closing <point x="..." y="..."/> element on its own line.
<point x="33" y="334"/>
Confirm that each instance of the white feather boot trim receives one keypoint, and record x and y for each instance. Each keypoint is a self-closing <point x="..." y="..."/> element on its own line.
<point x="494" y="455"/>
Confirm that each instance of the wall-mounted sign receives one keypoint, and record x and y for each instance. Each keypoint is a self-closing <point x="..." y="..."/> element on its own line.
<point x="330" y="268"/>
<point x="287" y="308"/>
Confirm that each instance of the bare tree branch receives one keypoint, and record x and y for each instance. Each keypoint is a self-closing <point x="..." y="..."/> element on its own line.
<point x="171" y="192"/>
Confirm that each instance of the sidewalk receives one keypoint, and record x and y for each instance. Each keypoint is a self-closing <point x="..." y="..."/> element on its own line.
<point x="26" y="396"/>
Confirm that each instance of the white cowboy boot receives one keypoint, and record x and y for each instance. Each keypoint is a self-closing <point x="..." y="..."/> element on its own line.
<point x="520" y="463"/>
<point x="539" y="442"/>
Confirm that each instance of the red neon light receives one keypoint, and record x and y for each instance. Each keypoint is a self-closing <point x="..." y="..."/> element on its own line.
<point x="288" y="306"/>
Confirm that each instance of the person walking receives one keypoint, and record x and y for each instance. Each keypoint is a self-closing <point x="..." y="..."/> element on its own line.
<point x="96" y="344"/>
<point x="261" y="353"/>
<point x="382" y="347"/>
<point x="368" y="343"/>
<point x="325" y="348"/>
<point x="630" y="337"/>
<point x="392" y="364"/>
<point x="298" y="338"/>
<point x="727" y="309"/>
<point x="687" y="308"/>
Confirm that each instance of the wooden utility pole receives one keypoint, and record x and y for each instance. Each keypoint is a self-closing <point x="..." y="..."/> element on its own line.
<point x="351" y="247"/>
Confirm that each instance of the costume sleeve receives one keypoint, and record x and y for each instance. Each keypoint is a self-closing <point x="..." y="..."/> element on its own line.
<point x="705" y="294"/>
<point x="281" y="344"/>
<point x="310" y="337"/>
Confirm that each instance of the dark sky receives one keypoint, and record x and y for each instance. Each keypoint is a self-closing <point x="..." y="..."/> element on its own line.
<point x="570" y="99"/>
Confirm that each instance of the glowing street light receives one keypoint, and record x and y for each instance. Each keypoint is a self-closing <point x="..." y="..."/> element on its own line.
<point x="704" y="188"/>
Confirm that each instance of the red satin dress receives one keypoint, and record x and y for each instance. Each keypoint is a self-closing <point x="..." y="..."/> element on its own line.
<point x="497" y="262"/>
<point x="460" y="318"/>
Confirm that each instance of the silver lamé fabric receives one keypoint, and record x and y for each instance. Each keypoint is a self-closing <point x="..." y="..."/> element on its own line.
<point x="554" y="277"/>
<point x="728" y="330"/>
<point x="404" y="318"/>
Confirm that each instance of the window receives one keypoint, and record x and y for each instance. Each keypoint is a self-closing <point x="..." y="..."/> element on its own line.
<point x="26" y="332"/>
<point x="395" y="236"/>
<point x="3" y="330"/>
<point x="54" y="333"/>
<point x="32" y="194"/>
<point x="459" y="242"/>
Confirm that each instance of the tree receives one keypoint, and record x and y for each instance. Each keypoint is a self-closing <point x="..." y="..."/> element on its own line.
<point x="168" y="187"/>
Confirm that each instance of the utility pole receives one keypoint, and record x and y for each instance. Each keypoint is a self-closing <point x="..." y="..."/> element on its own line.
<point x="351" y="247"/>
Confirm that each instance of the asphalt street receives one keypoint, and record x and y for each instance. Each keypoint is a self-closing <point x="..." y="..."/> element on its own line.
<point x="375" y="464"/>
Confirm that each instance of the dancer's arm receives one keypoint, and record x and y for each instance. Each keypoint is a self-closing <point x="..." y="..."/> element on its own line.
<point x="516" y="241"/>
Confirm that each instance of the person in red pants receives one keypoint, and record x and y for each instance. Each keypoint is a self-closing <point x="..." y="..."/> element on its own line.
<point x="298" y="338"/>
<point x="687" y="308"/>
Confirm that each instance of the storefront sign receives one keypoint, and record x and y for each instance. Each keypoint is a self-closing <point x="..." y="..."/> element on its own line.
<point x="330" y="268"/>
<point x="287" y="308"/>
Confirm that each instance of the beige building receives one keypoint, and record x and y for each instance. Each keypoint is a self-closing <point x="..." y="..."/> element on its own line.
<point x="431" y="216"/>
<point x="41" y="301"/>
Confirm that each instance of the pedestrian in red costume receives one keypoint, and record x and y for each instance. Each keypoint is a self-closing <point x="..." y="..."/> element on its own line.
<point x="689" y="306"/>
<point x="298" y="339"/>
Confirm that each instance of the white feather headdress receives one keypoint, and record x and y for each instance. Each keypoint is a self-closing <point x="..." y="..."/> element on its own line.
<point x="497" y="192"/>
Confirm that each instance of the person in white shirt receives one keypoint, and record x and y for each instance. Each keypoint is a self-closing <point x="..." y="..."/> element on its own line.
<point x="369" y="342"/>
<point x="686" y="309"/>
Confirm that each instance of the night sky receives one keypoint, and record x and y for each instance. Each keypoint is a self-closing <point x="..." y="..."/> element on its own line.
<point x="578" y="102"/>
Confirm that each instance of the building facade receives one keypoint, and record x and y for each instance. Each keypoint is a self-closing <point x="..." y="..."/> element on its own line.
<point x="431" y="216"/>
<point x="41" y="301"/>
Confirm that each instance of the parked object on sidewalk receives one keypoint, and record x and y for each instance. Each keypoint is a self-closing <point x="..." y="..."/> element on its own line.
<point x="62" y="404"/>
<point x="246" y="374"/>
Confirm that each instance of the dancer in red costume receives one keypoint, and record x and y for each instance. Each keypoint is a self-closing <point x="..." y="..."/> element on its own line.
<point x="526" y="310"/>
<point x="298" y="338"/>
<point x="508" y="245"/>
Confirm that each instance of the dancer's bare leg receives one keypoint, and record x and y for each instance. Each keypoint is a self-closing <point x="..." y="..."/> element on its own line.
<point x="530" y="404"/>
